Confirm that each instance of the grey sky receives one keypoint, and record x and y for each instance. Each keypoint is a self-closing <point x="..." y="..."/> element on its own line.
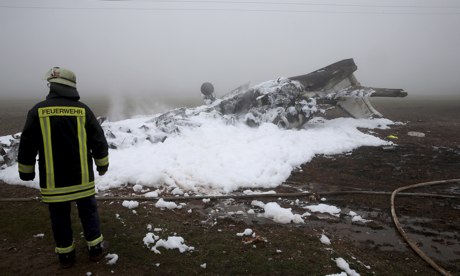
<point x="158" y="48"/>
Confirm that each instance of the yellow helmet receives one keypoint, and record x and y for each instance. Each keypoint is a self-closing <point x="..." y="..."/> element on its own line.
<point x="62" y="76"/>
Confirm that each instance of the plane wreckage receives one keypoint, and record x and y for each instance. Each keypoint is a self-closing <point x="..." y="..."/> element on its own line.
<point x="289" y="102"/>
<point x="286" y="102"/>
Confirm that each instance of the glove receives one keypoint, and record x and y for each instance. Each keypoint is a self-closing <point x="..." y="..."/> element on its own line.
<point x="102" y="169"/>
<point x="27" y="176"/>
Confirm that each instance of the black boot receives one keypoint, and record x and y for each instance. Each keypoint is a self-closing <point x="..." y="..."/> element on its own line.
<point x="96" y="253"/>
<point x="67" y="260"/>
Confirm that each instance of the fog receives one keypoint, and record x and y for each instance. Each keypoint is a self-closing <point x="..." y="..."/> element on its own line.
<point x="160" y="52"/>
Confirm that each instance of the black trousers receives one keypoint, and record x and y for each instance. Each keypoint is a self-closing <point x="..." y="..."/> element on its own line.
<point x="62" y="224"/>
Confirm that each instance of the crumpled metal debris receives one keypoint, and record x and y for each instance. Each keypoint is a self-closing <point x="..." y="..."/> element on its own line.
<point x="254" y="239"/>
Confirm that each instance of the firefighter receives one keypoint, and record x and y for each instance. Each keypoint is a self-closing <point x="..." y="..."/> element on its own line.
<point x="67" y="137"/>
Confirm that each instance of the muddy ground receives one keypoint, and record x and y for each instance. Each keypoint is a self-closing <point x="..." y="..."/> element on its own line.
<point x="371" y="248"/>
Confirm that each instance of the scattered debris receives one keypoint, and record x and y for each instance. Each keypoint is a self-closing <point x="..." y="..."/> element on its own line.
<point x="111" y="259"/>
<point x="130" y="204"/>
<point x="167" y="204"/>
<point x="325" y="240"/>
<point x="416" y="134"/>
<point x="255" y="239"/>
<point x="246" y="232"/>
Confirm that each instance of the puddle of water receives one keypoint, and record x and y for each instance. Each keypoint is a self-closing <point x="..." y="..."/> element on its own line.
<point x="379" y="233"/>
<point x="442" y="245"/>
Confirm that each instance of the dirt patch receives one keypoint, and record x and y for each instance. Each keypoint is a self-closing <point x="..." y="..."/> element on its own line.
<point x="372" y="247"/>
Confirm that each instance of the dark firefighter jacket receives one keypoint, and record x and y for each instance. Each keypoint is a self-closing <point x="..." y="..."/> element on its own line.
<point x="67" y="136"/>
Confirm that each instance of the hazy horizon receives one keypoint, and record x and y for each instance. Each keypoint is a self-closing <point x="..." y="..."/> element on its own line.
<point x="167" y="49"/>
